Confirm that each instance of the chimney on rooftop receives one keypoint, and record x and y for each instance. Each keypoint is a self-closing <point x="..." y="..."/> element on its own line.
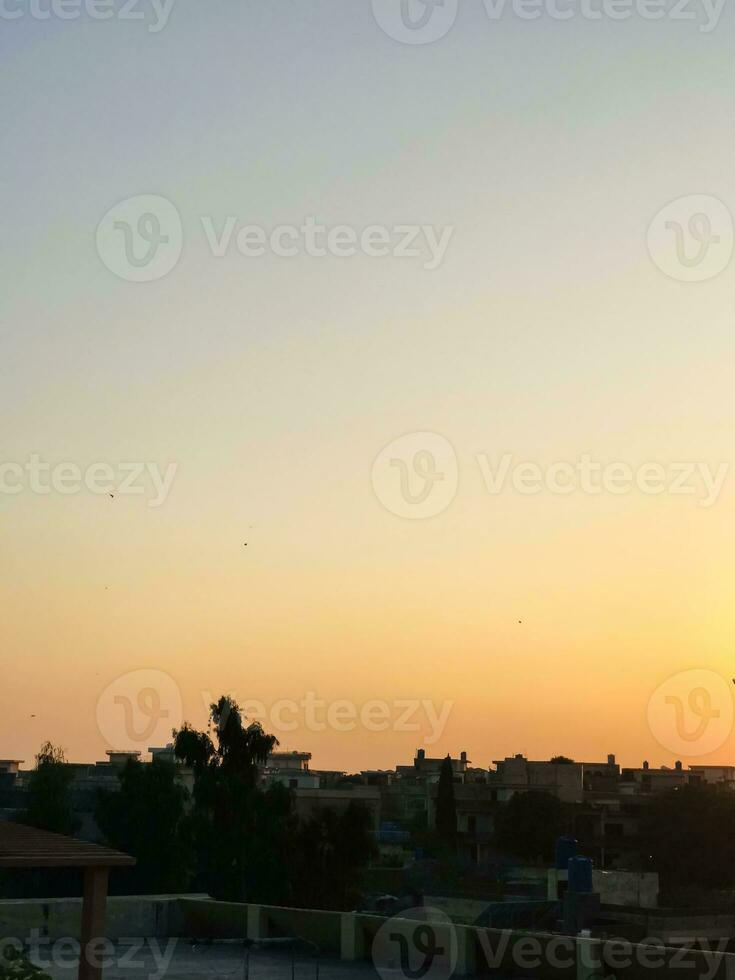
<point x="119" y="757"/>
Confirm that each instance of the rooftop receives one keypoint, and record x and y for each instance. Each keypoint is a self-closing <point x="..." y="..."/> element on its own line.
<point x="179" y="959"/>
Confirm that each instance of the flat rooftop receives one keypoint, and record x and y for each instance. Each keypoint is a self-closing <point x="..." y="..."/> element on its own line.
<point x="156" y="960"/>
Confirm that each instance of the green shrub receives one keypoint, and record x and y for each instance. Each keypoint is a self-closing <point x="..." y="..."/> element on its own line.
<point x="14" y="966"/>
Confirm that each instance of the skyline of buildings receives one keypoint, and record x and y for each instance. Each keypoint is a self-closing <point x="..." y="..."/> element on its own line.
<point x="607" y="799"/>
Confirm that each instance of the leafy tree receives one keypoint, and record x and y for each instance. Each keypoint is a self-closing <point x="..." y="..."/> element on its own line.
<point x="687" y="836"/>
<point x="446" y="808"/>
<point x="147" y="818"/>
<point x="331" y="850"/>
<point x="237" y="828"/>
<point x="49" y="793"/>
<point x="529" y="823"/>
<point x="561" y="760"/>
<point x="268" y="848"/>
<point x="250" y="844"/>
<point x="237" y="752"/>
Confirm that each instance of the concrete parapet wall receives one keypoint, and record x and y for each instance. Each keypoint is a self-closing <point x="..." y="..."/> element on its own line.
<point x="206" y="918"/>
<point x="625" y="888"/>
<point x="354" y="936"/>
<point x="57" y="918"/>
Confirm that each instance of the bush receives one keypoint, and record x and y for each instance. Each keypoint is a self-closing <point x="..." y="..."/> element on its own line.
<point x="14" y="966"/>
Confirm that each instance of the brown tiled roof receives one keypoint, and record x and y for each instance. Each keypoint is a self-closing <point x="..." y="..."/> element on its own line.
<point x="27" y="847"/>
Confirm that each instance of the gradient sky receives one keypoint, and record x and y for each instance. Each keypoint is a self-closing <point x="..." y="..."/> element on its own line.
<point x="273" y="383"/>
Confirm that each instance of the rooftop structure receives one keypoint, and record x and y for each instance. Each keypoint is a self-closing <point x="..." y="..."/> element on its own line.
<point x="27" y="847"/>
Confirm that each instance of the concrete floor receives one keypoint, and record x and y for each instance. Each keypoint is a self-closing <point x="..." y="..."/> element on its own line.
<point x="182" y="961"/>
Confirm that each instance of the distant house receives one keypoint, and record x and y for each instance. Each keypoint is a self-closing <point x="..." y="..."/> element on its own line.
<point x="290" y="769"/>
<point x="427" y="770"/>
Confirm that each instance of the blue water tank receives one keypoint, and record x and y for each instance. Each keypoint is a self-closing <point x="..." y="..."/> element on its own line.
<point x="566" y="848"/>
<point x="580" y="875"/>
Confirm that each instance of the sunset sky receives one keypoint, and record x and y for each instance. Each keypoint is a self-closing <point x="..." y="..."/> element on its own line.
<point x="547" y="332"/>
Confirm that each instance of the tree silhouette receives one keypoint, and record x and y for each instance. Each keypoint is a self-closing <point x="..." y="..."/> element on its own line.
<point x="238" y="750"/>
<point x="446" y="809"/>
<point x="529" y="823"/>
<point x="686" y="835"/>
<point x="147" y="818"/>
<point x="250" y="844"/>
<point x="240" y="832"/>
<point x="330" y="849"/>
<point x="49" y="793"/>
